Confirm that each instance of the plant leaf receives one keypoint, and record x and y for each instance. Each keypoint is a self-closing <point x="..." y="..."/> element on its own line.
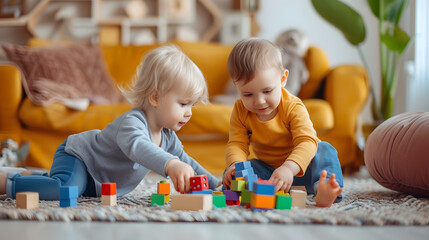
<point x="392" y="9"/>
<point x="343" y="17"/>
<point x="396" y="42"/>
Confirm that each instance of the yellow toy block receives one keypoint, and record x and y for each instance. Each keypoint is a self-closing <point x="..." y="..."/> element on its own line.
<point x="281" y="192"/>
<point x="27" y="200"/>
<point x="192" y="202"/>
<point x="217" y="193"/>
<point x="167" y="198"/>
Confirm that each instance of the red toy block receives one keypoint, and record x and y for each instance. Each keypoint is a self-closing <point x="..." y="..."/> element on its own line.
<point x="199" y="183"/>
<point x="108" y="189"/>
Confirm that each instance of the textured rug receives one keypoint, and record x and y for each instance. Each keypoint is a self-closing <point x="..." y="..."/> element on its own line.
<point x="365" y="203"/>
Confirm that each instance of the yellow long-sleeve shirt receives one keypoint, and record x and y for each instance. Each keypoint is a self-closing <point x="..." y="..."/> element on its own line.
<point x="288" y="136"/>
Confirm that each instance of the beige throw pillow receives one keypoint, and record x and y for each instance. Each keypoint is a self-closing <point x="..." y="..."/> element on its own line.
<point x="58" y="72"/>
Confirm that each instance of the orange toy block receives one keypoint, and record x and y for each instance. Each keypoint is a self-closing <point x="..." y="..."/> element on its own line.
<point x="108" y="189"/>
<point x="27" y="200"/>
<point x="263" y="201"/>
<point x="163" y="188"/>
<point x="108" y="200"/>
<point x="192" y="202"/>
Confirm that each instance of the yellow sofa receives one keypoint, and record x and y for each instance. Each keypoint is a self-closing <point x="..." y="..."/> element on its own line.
<point x="205" y="136"/>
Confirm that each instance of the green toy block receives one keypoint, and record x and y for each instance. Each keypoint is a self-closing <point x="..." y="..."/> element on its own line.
<point x="238" y="185"/>
<point x="219" y="201"/>
<point x="283" y="202"/>
<point x="246" y="196"/>
<point x="157" y="199"/>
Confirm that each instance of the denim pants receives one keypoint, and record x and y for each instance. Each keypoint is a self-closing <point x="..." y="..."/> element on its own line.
<point x="66" y="170"/>
<point x="326" y="158"/>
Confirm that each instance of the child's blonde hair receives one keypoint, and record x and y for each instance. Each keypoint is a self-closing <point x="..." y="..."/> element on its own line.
<point x="159" y="71"/>
<point x="250" y="55"/>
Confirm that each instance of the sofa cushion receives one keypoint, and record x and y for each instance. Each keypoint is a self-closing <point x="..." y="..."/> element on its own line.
<point x="207" y="122"/>
<point x="397" y="153"/>
<point x="321" y="114"/>
<point x="57" y="117"/>
<point x="60" y="72"/>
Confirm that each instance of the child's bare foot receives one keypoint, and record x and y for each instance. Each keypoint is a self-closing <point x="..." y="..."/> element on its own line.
<point x="327" y="191"/>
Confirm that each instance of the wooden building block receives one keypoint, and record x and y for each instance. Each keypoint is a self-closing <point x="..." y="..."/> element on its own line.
<point x="71" y="202"/>
<point x="263" y="188"/>
<point x="108" y="189"/>
<point x="157" y="199"/>
<point x="27" y="200"/>
<point x="283" y="202"/>
<point x="246" y="196"/>
<point x="263" y="201"/>
<point x="239" y="166"/>
<point x="299" y="198"/>
<point x="69" y="192"/>
<point x="199" y="182"/>
<point x="163" y="187"/>
<point x="219" y="201"/>
<point x="192" y="202"/>
<point x="238" y="185"/>
<point x="108" y="200"/>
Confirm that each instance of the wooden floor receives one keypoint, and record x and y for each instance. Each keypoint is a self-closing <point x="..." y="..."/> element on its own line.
<point x="17" y="230"/>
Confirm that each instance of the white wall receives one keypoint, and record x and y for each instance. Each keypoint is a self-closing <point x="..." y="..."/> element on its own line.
<point x="276" y="16"/>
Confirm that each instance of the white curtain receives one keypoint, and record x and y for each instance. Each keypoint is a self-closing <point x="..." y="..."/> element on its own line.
<point x="418" y="88"/>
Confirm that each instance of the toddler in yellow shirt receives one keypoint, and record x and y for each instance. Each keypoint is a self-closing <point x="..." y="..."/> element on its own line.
<point x="277" y="126"/>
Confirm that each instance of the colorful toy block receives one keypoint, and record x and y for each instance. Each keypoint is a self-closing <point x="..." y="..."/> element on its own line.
<point x="108" y="194"/>
<point x="252" y="177"/>
<point x="281" y="192"/>
<point x="108" y="189"/>
<point x="231" y="195"/>
<point x="192" y="202"/>
<point x="199" y="182"/>
<point x="205" y="191"/>
<point x="263" y="188"/>
<point x="163" y="187"/>
<point x="27" y="200"/>
<point x="232" y="202"/>
<point x="263" y="201"/>
<point x="217" y="193"/>
<point x="72" y="202"/>
<point x="239" y="166"/>
<point x="69" y="192"/>
<point x="246" y="196"/>
<point x="283" y="202"/>
<point x="219" y="201"/>
<point x="157" y="199"/>
<point x="237" y="185"/>
<point x="244" y="172"/>
<point x="68" y="196"/>
<point x="239" y="178"/>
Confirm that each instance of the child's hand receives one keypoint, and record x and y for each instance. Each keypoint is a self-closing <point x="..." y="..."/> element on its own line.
<point x="282" y="177"/>
<point x="227" y="177"/>
<point x="179" y="173"/>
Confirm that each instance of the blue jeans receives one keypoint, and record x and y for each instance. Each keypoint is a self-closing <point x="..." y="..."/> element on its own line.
<point x="326" y="158"/>
<point x="66" y="170"/>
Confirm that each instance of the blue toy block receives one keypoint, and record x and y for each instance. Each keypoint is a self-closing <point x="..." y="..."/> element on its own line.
<point x="250" y="183"/>
<point x="69" y="192"/>
<point x="251" y="178"/>
<point x="205" y="191"/>
<point x="263" y="188"/>
<point x="243" y="173"/>
<point x="231" y="195"/>
<point x="239" y="166"/>
<point x="72" y="202"/>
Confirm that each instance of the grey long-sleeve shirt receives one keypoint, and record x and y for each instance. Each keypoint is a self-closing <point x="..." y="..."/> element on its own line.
<point x="124" y="153"/>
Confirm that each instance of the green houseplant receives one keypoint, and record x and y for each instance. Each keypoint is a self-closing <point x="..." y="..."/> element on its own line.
<point x="393" y="42"/>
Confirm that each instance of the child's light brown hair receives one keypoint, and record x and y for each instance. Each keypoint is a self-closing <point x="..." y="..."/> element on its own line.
<point x="251" y="55"/>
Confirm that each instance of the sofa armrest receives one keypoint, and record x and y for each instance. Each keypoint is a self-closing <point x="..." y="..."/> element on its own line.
<point x="10" y="100"/>
<point x="346" y="91"/>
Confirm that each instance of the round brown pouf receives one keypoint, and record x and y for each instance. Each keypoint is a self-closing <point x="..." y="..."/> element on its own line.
<point x="397" y="153"/>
